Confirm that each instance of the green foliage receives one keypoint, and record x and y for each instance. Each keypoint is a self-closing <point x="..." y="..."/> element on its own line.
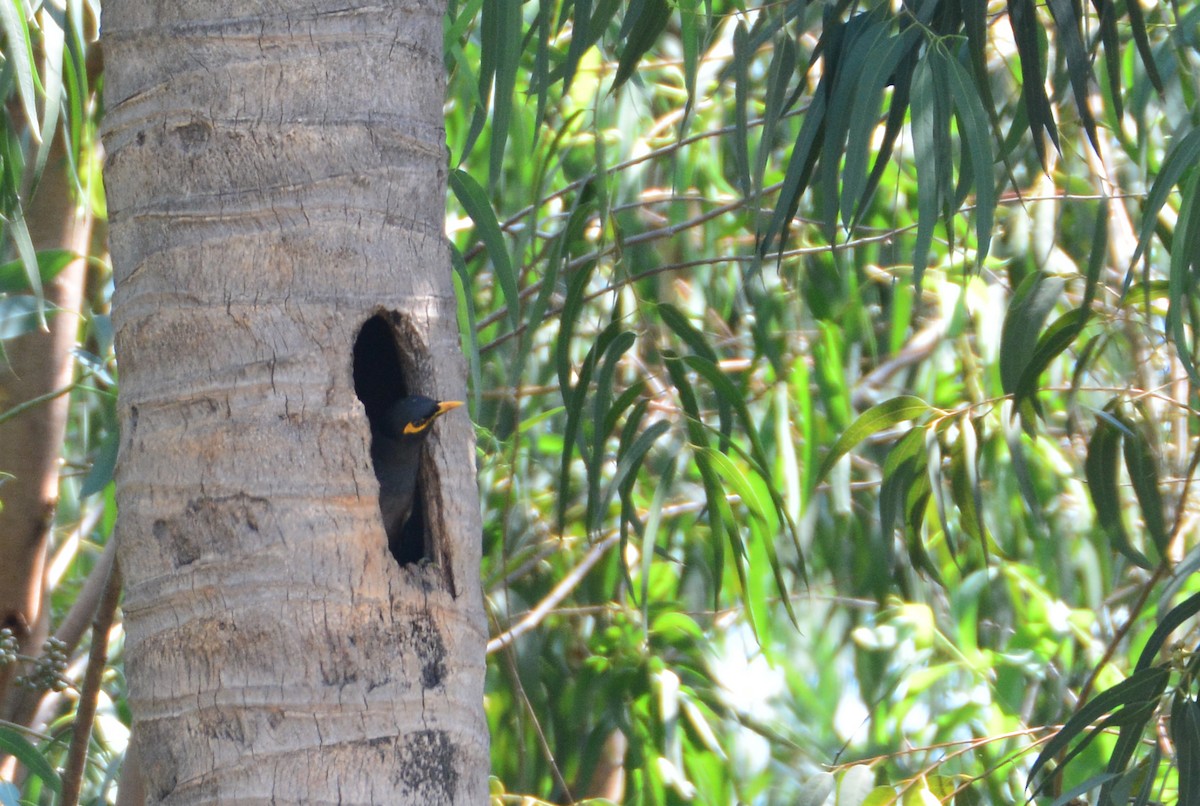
<point x="835" y="390"/>
<point x="813" y="348"/>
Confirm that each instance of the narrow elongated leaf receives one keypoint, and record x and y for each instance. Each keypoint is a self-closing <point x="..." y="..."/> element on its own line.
<point x="631" y="458"/>
<point x="17" y="746"/>
<point x="19" y="231"/>
<point x="580" y="40"/>
<point x="474" y="200"/>
<point x="863" y="36"/>
<point x="928" y="168"/>
<point x="1184" y="256"/>
<point x="683" y="328"/>
<point x="468" y="329"/>
<point x="866" y="102"/>
<point x="779" y="75"/>
<point x="1143" y="686"/>
<point x="643" y="33"/>
<point x="574" y="399"/>
<point x="1058" y="337"/>
<point x="964" y="484"/>
<point x="1183" y="156"/>
<point x="650" y="534"/>
<point x="763" y="520"/>
<point x="1023" y="17"/>
<point x="1129" y="737"/>
<point x="799" y="171"/>
<point x="1103" y="486"/>
<point x="903" y="467"/>
<point x="623" y="402"/>
<point x="53" y="46"/>
<point x="1079" y="68"/>
<point x="568" y="320"/>
<point x="19" y="54"/>
<point x="973" y="123"/>
<point x="873" y="420"/>
<point x="741" y="116"/>
<point x="1185" y="732"/>
<point x="689" y="40"/>
<point x="719" y="514"/>
<point x="1035" y="297"/>
<point x="1142" y="466"/>
<point x="730" y="401"/>
<point x="601" y="396"/>
<point x="1106" y="15"/>
<point x="1179" y="614"/>
<point x="1137" y="26"/>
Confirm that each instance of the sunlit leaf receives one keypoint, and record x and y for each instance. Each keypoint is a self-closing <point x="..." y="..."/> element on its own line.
<point x="875" y="419"/>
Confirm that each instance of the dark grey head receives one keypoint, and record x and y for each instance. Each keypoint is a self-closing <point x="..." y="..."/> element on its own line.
<point x="411" y="416"/>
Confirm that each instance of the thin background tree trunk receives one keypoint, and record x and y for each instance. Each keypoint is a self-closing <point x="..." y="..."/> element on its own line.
<point x="37" y="364"/>
<point x="276" y="176"/>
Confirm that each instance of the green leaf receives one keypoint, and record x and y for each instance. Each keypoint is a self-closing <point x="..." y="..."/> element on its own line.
<point x="574" y="399"/>
<point x="643" y="33"/>
<point x="862" y="38"/>
<point x="1026" y="32"/>
<point x="873" y="420"/>
<point x="1142" y="687"/>
<point x="1079" y="68"/>
<point x="103" y="464"/>
<point x="1185" y="732"/>
<point x="1184" y="245"/>
<point x="508" y="33"/>
<point x="473" y="199"/>
<point x="902" y="469"/>
<point x="683" y="328"/>
<point x="763" y="523"/>
<point x="17" y="746"/>
<point x="929" y="168"/>
<point x="19" y="54"/>
<point x="964" y="483"/>
<point x="799" y="170"/>
<point x="973" y="125"/>
<point x="1035" y="297"/>
<point x="15" y="279"/>
<point x="1137" y="26"/>
<point x="864" y="114"/>
<point x="1101" y="471"/>
<point x="1183" y="156"/>
<point x="1058" y="337"/>
<point x="468" y="329"/>
<point x="1179" y="614"/>
<point x="741" y="116"/>
<point x="1142" y="466"/>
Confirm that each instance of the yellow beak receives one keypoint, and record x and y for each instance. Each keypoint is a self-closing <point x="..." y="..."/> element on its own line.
<point x="446" y="405"/>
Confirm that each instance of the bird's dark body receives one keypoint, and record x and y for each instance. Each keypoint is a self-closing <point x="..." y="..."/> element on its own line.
<point x="397" y="436"/>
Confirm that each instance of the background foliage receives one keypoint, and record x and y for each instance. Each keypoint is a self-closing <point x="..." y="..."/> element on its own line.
<point x="833" y="373"/>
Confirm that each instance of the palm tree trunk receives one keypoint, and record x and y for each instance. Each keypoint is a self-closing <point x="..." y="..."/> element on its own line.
<point x="275" y="179"/>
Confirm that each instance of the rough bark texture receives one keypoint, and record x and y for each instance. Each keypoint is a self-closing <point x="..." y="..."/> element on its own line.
<point x="275" y="178"/>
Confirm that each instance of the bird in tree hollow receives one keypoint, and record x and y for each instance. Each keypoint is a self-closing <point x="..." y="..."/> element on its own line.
<point x="396" y="439"/>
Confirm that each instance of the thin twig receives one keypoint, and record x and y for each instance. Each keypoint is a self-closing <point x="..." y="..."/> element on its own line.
<point x="560" y="592"/>
<point x="85" y="712"/>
